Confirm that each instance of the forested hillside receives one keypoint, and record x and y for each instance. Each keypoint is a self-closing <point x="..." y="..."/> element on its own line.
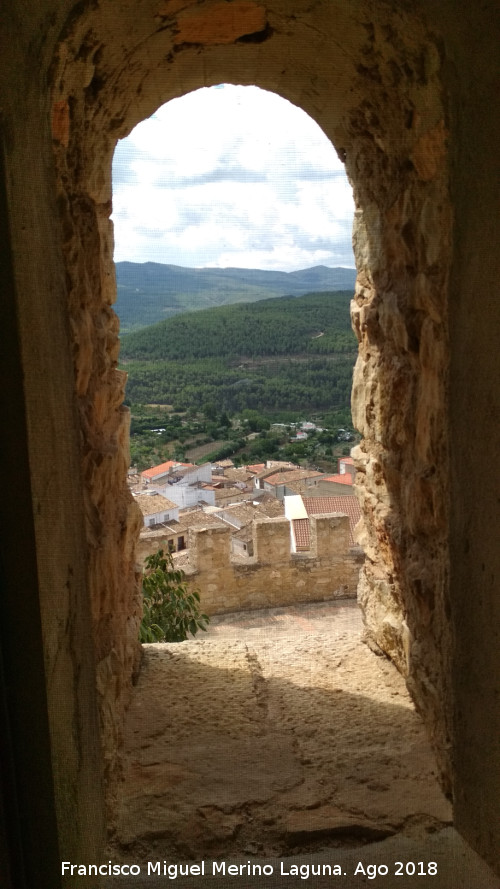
<point x="150" y="292"/>
<point x="316" y="324"/>
<point x="289" y="353"/>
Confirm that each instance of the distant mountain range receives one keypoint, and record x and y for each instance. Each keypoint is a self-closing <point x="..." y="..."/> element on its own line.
<point x="150" y="292"/>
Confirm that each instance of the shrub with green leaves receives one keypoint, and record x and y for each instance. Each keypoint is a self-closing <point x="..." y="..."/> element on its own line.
<point x="170" y="612"/>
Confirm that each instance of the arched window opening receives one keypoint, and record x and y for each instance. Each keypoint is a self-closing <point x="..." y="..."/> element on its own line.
<point x="249" y="734"/>
<point x="233" y="197"/>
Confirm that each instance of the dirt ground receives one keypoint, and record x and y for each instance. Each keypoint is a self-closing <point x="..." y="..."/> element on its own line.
<point x="276" y="733"/>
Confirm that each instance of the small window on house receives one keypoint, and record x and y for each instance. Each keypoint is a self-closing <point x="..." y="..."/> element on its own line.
<point x="171" y="546"/>
<point x="180" y="544"/>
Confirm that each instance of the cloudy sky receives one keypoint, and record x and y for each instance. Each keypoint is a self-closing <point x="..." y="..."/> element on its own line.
<point x="231" y="176"/>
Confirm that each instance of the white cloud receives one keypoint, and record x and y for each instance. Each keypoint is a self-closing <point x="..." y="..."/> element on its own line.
<point x="231" y="176"/>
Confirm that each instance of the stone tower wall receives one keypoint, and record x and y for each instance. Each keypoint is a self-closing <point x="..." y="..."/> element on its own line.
<point x="381" y="104"/>
<point x="408" y="95"/>
<point x="273" y="576"/>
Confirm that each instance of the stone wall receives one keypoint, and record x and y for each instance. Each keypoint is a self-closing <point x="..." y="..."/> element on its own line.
<point x="402" y="239"/>
<point x="378" y="95"/>
<point x="273" y="575"/>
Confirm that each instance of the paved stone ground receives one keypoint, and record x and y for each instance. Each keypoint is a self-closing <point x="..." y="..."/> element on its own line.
<point x="277" y="733"/>
<point x="339" y="619"/>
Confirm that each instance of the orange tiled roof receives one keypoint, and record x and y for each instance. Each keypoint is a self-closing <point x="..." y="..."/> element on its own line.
<point x="302" y="533"/>
<point x="162" y="469"/>
<point x="344" y="478"/>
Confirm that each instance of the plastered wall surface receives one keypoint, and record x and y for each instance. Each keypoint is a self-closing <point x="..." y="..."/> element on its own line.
<point x="408" y="95"/>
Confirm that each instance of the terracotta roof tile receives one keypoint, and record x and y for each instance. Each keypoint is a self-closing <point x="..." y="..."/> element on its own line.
<point x="347" y="505"/>
<point x="242" y="512"/>
<point x="194" y="519"/>
<point x="227" y="493"/>
<point x="344" y="478"/>
<point x="238" y="474"/>
<point x="162" y="469"/>
<point x="302" y="533"/>
<point x="292" y="476"/>
<point x="151" y="504"/>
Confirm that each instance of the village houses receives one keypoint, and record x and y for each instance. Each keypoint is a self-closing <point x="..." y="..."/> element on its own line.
<point x="176" y="498"/>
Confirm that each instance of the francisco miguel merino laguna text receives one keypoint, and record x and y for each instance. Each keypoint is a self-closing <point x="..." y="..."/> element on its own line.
<point x="221" y="868"/>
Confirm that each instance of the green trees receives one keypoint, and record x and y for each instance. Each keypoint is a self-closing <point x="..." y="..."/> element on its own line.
<point x="280" y="359"/>
<point x="316" y="324"/>
<point x="170" y="611"/>
<point x="279" y="354"/>
<point x="271" y="385"/>
<point x="254" y="421"/>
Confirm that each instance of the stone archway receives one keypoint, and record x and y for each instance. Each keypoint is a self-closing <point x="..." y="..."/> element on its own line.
<point x="372" y="82"/>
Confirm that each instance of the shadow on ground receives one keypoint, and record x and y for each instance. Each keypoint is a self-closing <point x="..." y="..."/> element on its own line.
<point x="261" y="746"/>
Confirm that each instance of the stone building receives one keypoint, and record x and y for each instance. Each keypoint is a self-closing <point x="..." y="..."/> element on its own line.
<point x="173" y="536"/>
<point x="408" y="95"/>
<point x="327" y="569"/>
<point x="285" y="481"/>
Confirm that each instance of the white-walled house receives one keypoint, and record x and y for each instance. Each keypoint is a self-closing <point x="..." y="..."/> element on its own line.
<point x="156" y="509"/>
<point x="157" y="475"/>
<point x="188" y="485"/>
<point x="347" y="467"/>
